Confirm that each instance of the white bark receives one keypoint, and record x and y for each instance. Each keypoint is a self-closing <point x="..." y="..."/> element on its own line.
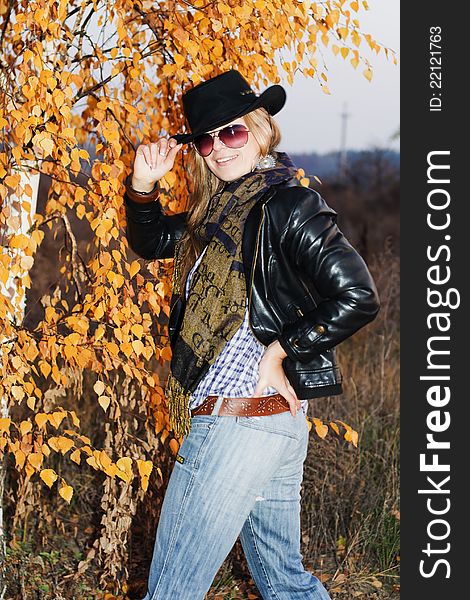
<point x="19" y="221"/>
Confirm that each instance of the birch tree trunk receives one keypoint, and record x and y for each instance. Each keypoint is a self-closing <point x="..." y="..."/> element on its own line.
<point x="20" y="218"/>
<point x="19" y="210"/>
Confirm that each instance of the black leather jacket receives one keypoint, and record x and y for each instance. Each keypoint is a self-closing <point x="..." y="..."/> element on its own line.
<point x="307" y="286"/>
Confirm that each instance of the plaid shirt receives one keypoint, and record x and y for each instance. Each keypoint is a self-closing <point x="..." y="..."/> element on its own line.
<point x="235" y="371"/>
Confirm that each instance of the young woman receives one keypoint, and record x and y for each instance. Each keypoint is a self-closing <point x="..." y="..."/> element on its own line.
<point x="264" y="287"/>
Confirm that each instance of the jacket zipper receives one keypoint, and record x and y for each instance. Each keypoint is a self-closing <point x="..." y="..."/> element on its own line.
<point x="253" y="267"/>
<point x="298" y="309"/>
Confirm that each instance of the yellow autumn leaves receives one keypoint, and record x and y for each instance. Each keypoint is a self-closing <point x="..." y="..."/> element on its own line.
<point x="100" y="461"/>
<point x="41" y="419"/>
<point x="49" y="476"/>
<point x="223" y="34"/>
<point x="321" y="429"/>
<point x="32" y="461"/>
<point x="122" y="468"/>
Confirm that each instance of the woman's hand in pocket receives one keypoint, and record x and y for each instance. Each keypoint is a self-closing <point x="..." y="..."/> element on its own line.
<point x="272" y="374"/>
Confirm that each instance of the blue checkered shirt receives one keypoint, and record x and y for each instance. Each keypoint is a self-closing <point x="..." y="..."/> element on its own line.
<point x="235" y="371"/>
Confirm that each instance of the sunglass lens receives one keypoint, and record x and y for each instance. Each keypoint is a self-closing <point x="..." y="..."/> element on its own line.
<point x="234" y="136"/>
<point x="204" y="144"/>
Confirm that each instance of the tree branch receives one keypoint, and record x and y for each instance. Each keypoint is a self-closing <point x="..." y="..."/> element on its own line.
<point x="7" y="20"/>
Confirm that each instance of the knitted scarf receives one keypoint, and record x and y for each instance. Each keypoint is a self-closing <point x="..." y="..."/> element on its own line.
<point x="216" y="303"/>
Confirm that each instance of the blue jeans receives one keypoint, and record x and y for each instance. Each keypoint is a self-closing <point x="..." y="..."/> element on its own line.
<point x="238" y="476"/>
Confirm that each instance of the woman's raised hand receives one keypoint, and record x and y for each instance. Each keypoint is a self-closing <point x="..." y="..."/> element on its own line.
<point x="153" y="161"/>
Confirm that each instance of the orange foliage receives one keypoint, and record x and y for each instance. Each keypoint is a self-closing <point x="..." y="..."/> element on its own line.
<point x="64" y="85"/>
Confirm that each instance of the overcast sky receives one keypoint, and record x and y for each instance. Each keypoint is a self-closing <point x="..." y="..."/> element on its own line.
<point x="311" y="120"/>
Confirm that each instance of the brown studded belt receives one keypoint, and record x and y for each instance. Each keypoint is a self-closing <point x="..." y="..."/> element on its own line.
<point x="245" y="407"/>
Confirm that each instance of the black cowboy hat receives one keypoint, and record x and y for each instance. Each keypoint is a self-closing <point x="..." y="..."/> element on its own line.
<point x="222" y="99"/>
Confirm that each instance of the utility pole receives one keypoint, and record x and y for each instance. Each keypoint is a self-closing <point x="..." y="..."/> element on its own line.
<point x="342" y="154"/>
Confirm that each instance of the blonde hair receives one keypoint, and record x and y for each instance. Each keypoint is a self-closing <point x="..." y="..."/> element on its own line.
<point x="205" y="184"/>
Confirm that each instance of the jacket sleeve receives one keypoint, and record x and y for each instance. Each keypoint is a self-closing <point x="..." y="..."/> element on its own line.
<point x="151" y="233"/>
<point x="328" y="264"/>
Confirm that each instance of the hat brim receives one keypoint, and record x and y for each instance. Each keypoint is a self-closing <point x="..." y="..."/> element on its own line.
<point x="272" y="99"/>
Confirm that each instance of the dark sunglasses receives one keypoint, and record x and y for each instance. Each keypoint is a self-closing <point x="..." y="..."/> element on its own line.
<point x="232" y="136"/>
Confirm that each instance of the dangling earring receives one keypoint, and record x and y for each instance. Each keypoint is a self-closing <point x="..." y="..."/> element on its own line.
<point x="266" y="162"/>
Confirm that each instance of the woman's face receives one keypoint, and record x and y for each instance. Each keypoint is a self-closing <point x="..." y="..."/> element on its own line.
<point x="229" y="164"/>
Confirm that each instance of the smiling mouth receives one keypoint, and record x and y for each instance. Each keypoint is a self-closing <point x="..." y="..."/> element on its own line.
<point x="226" y="160"/>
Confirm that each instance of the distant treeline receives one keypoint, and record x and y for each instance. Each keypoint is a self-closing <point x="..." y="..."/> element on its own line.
<point x="364" y="190"/>
<point x="328" y="165"/>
